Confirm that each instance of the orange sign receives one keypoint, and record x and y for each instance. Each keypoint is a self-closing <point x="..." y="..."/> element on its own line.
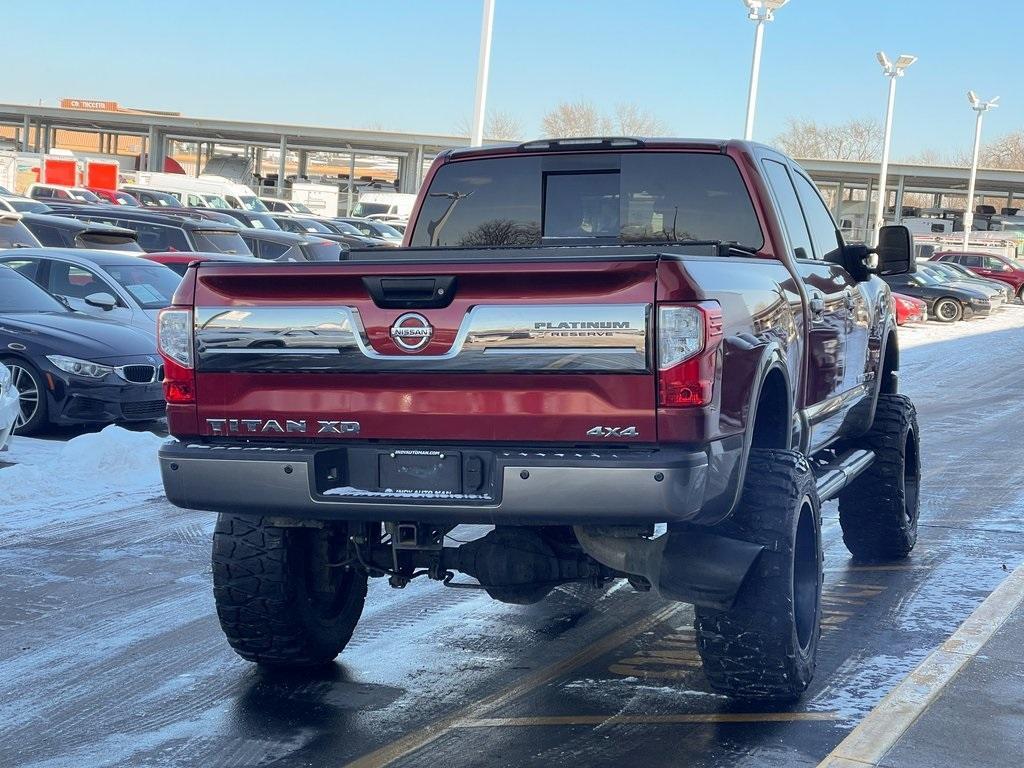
<point x="58" y="170"/>
<point x="101" y="175"/>
<point x="95" y="106"/>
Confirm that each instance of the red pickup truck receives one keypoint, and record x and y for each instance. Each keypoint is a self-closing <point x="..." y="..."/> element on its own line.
<point x="640" y="359"/>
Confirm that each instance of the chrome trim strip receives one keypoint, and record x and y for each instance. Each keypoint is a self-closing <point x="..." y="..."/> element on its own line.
<point x="596" y="337"/>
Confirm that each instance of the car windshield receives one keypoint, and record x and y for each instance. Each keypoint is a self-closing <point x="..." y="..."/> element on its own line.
<point x="322" y="250"/>
<point x="300" y="207"/>
<point x="151" y="285"/>
<point x="367" y="209"/>
<point x="262" y="221"/>
<point x="125" y="199"/>
<point x="385" y="230"/>
<point x="108" y="242"/>
<point x="653" y="197"/>
<point x="84" y="195"/>
<point x="251" y="203"/>
<point x="220" y="241"/>
<point x="216" y="201"/>
<point x="19" y="294"/>
<point x="27" y="205"/>
<point x="350" y="229"/>
<point x="928" y="278"/>
<point x="14" y="234"/>
<point x="315" y="226"/>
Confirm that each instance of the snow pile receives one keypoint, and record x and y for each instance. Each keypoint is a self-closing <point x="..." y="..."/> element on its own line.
<point x="1008" y="318"/>
<point x="59" y="477"/>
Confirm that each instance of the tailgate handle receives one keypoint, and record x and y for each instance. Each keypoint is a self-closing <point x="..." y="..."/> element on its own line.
<point x="411" y="292"/>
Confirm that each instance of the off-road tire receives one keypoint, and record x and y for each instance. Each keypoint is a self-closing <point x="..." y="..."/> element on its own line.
<point x="879" y="510"/>
<point x="765" y="647"/>
<point x="938" y="310"/>
<point x="263" y="585"/>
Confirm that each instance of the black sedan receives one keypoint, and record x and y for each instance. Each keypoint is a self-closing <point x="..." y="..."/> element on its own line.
<point x="70" y="368"/>
<point x="946" y="301"/>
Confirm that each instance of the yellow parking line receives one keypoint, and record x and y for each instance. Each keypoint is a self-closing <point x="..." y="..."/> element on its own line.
<point x="430" y="733"/>
<point x="678" y="719"/>
<point x="877" y="733"/>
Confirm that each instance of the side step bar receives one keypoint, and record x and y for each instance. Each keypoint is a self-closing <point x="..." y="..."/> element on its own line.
<point x="837" y="475"/>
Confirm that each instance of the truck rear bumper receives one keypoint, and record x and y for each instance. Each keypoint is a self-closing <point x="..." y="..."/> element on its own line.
<point x="525" y="487"/>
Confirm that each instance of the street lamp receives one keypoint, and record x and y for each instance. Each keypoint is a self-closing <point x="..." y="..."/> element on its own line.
<point x="758" y="11"/>
<point x="981" y="107"/>
<point x="482" y="73"/>
<point x="892" y="71"/>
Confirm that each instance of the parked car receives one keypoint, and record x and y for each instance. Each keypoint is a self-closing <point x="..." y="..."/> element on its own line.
<point x="280" y="205"/>
<point x="958" y="274"/>
<point x="288" y="246"/>
<point x="152" y="198"/>
<point x="61" y="231"/>
<point x="178" y="262"/>
<point x="996" y="295"/>
<point x="994" y="267"/>
<point x="10" y="407"/>
<point x="371" y="228"/>
<point x="14" y="233"/>
<point x="19" y="204"/>
<point x="100" y="283"/>
<point x="254" y="219"/>
<point x="57" y="192"/>
<point x="909" y="310"/>
<point x="71" y="368"/>
<point x="307" y="225"/>
<point x="946" y="302"/>
<point x="114" y="197"/>
<point x="167" y="231"/>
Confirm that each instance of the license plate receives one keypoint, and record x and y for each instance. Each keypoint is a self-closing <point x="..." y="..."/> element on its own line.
<point x="421" y="471"/>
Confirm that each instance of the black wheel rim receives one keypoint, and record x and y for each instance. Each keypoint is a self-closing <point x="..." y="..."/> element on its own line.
<point x="806" y="577"/>
<point x="946" y="310"/>
<point x="28" y="394"/>
<point x="911" y="479"/>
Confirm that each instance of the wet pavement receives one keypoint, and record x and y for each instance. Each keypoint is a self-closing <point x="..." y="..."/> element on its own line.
<point x="111" y="655"/>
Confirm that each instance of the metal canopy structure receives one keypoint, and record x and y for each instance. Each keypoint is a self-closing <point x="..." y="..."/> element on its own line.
<point x="409" y="148"/>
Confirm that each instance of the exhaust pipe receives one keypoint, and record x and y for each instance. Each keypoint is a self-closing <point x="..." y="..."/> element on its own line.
<point x="690" y="566"/>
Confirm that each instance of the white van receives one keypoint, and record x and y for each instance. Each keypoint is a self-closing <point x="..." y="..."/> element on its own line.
<point x="384" y="205"/>
<point x="204" y="192"/>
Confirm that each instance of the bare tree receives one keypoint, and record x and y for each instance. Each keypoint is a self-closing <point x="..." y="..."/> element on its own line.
<point x="582" y="118"/>
<point x="852" y="140"/>
<point x="631" y="120"/>
<point x="575" y="118"/>
<point x="1004" y="152"/>
<point x="498" y="125"/>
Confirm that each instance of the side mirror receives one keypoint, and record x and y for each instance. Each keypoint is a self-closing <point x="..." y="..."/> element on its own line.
<point x="101" y="300"/>
<point x="895" y="251"/>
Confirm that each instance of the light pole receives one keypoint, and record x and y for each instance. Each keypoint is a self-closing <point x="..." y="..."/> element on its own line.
<point x="482" y="72"/>
<point x="892" y="71"/>
<point x="760" y="12"/>
<point x="981" y="107"/>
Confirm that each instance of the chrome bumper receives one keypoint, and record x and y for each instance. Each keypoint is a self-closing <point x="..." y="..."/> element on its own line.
<point x="530" y="487"/>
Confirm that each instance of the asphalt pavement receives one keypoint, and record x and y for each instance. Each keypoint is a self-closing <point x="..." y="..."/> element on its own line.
<point x="111" y="655"/>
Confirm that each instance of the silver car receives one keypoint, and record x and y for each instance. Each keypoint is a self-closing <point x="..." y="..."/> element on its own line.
<point x="114" y="286"/>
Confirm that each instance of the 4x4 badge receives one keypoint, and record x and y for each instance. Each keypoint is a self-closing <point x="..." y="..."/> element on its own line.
<point x="411" y="332"/>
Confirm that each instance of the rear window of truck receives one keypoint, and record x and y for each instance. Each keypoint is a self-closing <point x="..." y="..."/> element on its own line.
<point x="654" y="197"/>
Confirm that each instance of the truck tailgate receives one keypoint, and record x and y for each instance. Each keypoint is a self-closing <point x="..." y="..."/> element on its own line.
<point x="537" y="351"/>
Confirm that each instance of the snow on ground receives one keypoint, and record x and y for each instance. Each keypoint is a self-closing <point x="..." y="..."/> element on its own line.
<point x="1009" y="317"/>
<point x="50" y="479"/>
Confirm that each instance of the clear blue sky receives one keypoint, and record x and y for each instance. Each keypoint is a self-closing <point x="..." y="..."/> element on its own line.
<point x="411" y="64"/>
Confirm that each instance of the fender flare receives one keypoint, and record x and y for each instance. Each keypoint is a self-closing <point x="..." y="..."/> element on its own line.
<point x="772" y="359"/>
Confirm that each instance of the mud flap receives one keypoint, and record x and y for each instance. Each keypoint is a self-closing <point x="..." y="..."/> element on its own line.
<point x="704" y="569"/>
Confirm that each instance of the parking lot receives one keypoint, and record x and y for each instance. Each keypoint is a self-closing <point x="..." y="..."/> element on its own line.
<point x="110" y="651"/>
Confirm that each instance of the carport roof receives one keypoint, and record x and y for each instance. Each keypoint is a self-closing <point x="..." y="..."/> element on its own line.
<point x="946" y="177"/>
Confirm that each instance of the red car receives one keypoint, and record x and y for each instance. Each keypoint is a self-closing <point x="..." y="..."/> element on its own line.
<point x="179" y="260"/>
<point x="988" y="265"/>
<point x="114" y="196"/>
<point x="908" y="309"/>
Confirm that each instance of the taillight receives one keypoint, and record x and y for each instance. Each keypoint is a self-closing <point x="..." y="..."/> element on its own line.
<point x="174" y="342"/>
<point x="689" y="337"/>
